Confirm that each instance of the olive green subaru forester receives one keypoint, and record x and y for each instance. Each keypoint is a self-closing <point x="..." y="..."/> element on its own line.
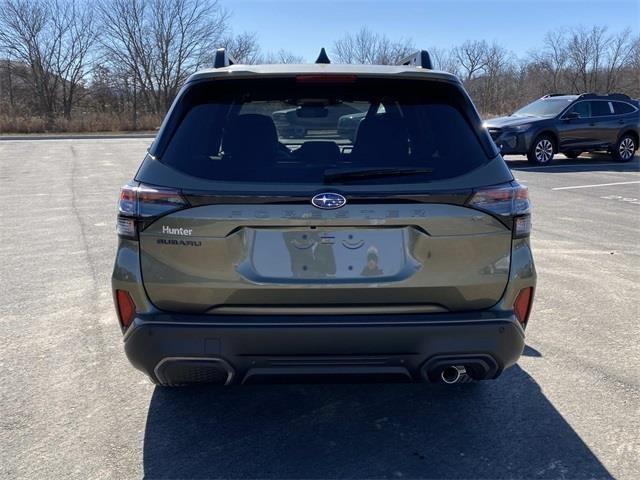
<point x="323" y="223"/>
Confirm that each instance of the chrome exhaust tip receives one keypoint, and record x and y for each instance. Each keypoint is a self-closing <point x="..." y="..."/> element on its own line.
<point x="453" y="374"/>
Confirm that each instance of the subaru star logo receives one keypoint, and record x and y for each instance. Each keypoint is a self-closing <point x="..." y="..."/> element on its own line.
<point x="328" y="201"/>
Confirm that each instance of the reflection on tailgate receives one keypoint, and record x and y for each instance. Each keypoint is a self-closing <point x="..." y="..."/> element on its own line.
<point x="332" y="255"/>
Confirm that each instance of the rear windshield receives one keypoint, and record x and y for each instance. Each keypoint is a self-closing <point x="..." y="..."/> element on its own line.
<point x="312" y="131"/>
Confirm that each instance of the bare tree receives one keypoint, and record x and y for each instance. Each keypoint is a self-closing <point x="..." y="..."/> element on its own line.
<point x="74" y="24"/>
<point x="579" y="53"/>
<point x="498" y="75"/>
<point x="472" y="56"/>
<point x="600" y="43"/>
<point x="444" y="60"/>
<point x="147" y="48"/>
<point x="7" y="90"/>
<point x="244" y="47"/>
<point x="633" y="68"/>
<point x="22" y="36"/>
<point x="53" y="38"/>
<point x="585" y="52"/>
<point x="26" y="36"/>
<point x="553" y="58"/>
<point x="161" y="42"/>
<point x="366" y="47"/>
<point x="283" y="56"/>
<point x="619" y="56"/>
<point x="634" y="61"/>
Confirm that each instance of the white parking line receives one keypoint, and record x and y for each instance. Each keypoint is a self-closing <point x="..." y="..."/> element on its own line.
<point x="620" y="198"/>
<point x="595" y="185"/>
<point x="570" y="165"/>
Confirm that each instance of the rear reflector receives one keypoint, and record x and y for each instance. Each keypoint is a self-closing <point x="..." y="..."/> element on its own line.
<point x="126" y="308"/>
<point x="522" y="305"/>
<point x="522" y="226"/>
<point x="126" y="227"/>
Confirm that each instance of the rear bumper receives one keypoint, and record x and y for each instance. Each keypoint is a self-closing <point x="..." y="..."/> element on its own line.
<point x="233" y="349"/>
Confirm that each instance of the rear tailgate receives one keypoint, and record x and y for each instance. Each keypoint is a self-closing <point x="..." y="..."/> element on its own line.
<point x="262" y="247"/>
<point x="269" y="258"/>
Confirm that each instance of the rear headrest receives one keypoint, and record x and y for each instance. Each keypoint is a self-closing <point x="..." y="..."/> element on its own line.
<point x="319" y="152"/>
<point x="251" y="134"/>
<point x="380" y="138"/>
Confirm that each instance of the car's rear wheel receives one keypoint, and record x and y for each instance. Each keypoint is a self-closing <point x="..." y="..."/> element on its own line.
<point x="541" y="151"/>
<point x="572" y="155"/>
<point x="624" y="149"/>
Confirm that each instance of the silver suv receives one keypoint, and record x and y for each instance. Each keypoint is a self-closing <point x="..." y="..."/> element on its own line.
<point x="399" y="252"/>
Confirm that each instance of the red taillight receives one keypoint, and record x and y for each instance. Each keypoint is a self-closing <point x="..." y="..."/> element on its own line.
<point x="154" y="201"/>
<point x="145" y="202"/>
<point x="506" y="201"/>
<point x="126" y="308"/>
<point x="522" y="305"/>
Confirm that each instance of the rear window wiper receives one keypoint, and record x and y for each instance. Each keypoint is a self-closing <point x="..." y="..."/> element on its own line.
<point x="336" y="176"/>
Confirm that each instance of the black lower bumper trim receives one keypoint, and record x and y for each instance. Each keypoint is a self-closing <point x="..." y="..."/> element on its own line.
<point x="234" y="350"/>
<point x="327" y="374"/>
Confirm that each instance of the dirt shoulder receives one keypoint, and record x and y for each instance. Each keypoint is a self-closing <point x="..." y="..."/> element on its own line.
<point x="76" y="136"/>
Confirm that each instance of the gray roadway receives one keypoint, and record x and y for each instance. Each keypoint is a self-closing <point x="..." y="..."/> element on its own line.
<point x="71" y="406"/>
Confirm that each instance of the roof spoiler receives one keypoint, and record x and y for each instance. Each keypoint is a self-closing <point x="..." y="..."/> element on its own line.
<point x="419" y="59"/>
<point x="223" y="59"/>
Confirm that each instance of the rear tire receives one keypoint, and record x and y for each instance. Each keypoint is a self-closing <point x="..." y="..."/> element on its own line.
<point x="625" y="148"/>
<point x="572" y="155"/>
<point x="541" y="151"/>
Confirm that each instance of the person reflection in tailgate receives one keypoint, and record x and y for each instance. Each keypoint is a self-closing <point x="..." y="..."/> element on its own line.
<point x="371" y="268"/>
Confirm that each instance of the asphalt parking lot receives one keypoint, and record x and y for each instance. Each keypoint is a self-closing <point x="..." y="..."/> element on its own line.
<point x="72" y="407"/>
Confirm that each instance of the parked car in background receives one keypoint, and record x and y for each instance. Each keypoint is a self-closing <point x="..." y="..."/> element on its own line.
<point x="296" y="122"/>
<point x="570" y="124"/>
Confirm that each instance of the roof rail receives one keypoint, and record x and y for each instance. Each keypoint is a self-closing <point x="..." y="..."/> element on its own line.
<point x="619" y="96"/>
<point x="612" y="96"/>
<point x="222" y="59"/>
<point x="323" y="57"/>
<point x="549" y="95"/>
<point x="419" y="59"/>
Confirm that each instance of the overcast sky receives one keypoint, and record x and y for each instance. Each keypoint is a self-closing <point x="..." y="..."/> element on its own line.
<point x="303" y="26"/>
